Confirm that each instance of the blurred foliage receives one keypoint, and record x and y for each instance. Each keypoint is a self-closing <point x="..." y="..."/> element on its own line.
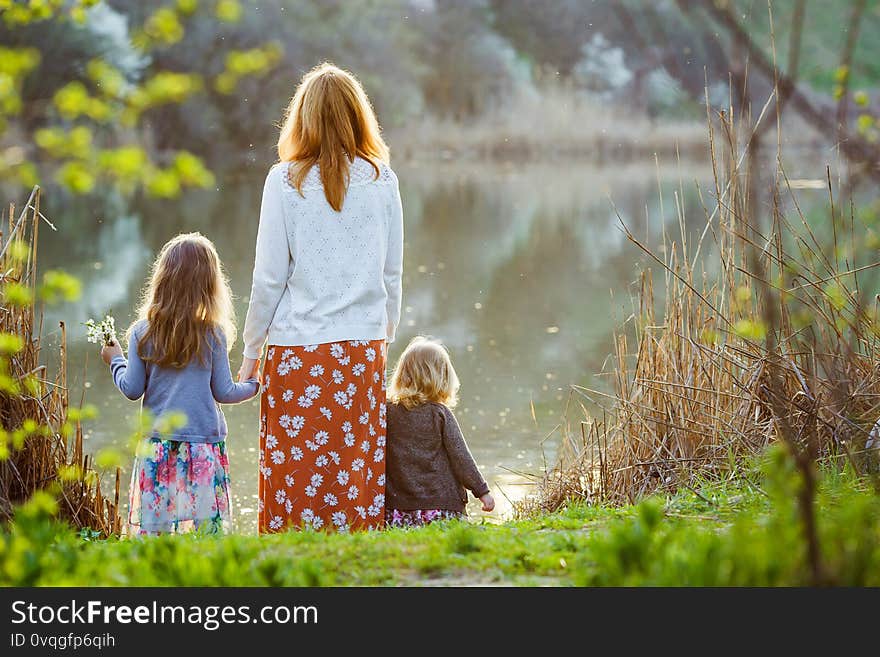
<point x="17" y="12"/>
<point x="59" y="286"/>
<point x="14" y="66"/>
<point x="211" y="77"/>
<point x="242" y="63"/>
<point x="86" y="119"/>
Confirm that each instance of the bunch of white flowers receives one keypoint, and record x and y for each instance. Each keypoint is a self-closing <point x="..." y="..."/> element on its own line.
<point x="103" y="331"/>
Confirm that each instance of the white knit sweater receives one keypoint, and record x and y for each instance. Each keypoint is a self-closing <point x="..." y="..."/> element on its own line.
<point x="320" y="275"/>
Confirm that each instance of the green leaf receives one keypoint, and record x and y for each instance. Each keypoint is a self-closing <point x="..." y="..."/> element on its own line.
<point x="18" y="62"/>
<point x="77" y="143"/>
<point x="710" y="336"/>
<point x="187" y="7"/>
<point x="16" y="294"/>
<point x="109" y="458"/>
<point x="127" y="164"/>
<point x="70" y="473"/>
<point x="750" y="329"/>
<point x="40" y="505"/>
<point x="241" y="63"/>
<point x="77" y="177"/>
<point x="72" y="100"/>
<point x="192" y="171"/>
<point x="163" y="183"/>
<point x="836" y="295"/>
<point x="30" y="385"/>
<point x="165" y="87"/>
<point x="59" y="285"/>
<point x="864" y="123"/>
<point x="164" y="26"/>
<point x="228" y="11"/>
<point x="87" y="412"/>
<point x="10" y="344"/>
<point x="18" y="250"/>
<point x="106" y="77"/>
<point x="225" y="83"/>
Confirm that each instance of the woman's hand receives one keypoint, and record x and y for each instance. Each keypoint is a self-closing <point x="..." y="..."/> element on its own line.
<point x="249" y="369"/>
<point x="488" y="502"/>
<point x="109" y="352"/>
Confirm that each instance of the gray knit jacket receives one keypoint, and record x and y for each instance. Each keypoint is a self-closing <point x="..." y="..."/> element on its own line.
<point x="428" y="465"/>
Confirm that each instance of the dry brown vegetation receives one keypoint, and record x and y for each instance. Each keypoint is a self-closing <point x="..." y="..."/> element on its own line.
<point x="35" y="415"/>
<point x="775" y="342"/>
<point x="552" y="123"/>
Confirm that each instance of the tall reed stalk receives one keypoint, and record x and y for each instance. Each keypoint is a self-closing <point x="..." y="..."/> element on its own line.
<point x="42" y="434"/>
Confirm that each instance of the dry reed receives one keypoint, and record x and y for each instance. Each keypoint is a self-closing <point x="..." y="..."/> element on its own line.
<point x="51" y="456"/>
<point x="705" y="389"/>
<point x="553" y="122"/>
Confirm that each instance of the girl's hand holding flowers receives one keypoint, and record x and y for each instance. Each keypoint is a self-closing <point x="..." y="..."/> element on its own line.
<point x="105" y="333"/>
<point x="110" y="351"/>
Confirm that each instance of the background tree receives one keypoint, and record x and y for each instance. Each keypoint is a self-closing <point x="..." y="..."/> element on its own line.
<point x="89" y="108"/>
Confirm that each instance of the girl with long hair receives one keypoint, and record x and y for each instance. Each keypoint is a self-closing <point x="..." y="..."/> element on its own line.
<point x="178" y="362"/>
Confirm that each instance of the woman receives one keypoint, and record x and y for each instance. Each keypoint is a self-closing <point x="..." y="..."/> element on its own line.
<point x="326" y="293"/>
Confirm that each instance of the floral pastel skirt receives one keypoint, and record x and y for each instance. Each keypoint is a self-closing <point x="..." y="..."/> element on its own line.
<point x="322" y="437"/>
<point x="419" y="517"/>
<point x="179" y="487"/>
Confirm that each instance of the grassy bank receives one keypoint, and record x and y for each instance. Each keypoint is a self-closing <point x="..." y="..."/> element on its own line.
<point x="717" y="535"/>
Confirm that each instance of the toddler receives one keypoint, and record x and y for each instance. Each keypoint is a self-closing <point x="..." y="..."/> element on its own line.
<point x="428" y="463"/>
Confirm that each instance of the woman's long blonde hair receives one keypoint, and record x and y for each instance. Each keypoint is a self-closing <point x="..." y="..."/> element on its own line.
<point x="328" y="123"/>
<point x="424" y="374"/>
<point x="186" y="297"/>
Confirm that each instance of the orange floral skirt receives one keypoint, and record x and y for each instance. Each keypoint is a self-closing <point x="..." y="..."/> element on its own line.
<point x="322" y="437"/>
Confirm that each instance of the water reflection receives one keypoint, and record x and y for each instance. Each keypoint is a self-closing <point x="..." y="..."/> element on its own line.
<point x="523" y="272"/>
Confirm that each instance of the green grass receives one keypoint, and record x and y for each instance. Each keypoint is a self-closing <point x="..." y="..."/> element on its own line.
<point x="731" y="534"/>
<point x="523" y="552"/>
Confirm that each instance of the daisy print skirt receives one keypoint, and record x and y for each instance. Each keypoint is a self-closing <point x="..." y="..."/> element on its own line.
<point x="322" y="437"/>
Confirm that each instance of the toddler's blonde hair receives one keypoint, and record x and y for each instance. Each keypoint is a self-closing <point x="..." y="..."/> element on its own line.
<point x="424" y="374"/>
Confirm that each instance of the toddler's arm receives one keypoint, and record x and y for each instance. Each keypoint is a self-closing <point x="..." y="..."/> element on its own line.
<point x="130" y="376"/>
<point x="463" y="465"/>
<point x="224" y="389"/>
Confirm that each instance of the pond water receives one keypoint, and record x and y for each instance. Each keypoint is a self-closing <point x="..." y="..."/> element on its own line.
<point x="522" y="271"/>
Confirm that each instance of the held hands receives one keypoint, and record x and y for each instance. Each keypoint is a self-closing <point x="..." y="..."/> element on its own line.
<point x="250" y="368"/>
<point x="110" y="351"/>
<point x="488" y="502"/>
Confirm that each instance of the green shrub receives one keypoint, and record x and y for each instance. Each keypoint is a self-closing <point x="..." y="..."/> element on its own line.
<point x="757" y="548"/>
